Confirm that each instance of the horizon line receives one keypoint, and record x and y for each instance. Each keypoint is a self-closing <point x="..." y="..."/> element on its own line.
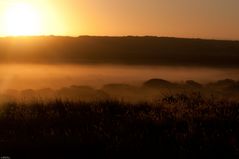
<point x="119" y="36"/>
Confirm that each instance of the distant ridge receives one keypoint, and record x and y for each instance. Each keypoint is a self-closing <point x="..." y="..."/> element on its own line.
<point x="129" y="50"/>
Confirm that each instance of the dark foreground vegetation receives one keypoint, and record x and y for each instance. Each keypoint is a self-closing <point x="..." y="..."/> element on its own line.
<point x="181" y="126"/>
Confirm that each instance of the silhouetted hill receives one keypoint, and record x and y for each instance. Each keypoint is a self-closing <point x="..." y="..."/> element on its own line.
<point x="193" y="84"/>
<point x="117" y="87"/>
<point x="81" y="92"/>
<point x="158" y="83"/>
<point x="120" y="50"/>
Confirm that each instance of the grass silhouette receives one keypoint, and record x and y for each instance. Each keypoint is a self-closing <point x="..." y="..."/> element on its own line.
<point x="182" y="125"/>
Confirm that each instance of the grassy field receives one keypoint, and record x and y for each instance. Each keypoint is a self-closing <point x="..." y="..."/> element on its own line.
<point x="179" y="125"/>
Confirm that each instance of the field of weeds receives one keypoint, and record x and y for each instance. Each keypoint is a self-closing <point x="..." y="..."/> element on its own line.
<point x="180" y="125"/>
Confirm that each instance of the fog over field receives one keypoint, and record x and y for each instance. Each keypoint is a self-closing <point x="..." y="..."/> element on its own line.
<point x="37" y="76"/>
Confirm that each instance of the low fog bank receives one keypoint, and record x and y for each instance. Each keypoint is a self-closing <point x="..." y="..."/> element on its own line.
<point x="150" y="90"/>
<point x="96" y="82"/>
<point x="24" y="76"/>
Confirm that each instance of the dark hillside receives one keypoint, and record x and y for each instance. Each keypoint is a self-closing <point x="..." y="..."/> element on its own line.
<point x="120" y="50"/>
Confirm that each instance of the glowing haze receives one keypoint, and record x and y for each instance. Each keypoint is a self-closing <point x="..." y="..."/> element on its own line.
<point x="180" y="18"/>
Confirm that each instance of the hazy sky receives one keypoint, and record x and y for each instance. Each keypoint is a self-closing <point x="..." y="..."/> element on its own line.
<point x="182" y="18"/>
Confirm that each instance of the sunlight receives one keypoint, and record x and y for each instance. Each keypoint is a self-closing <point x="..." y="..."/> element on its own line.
<point x="22" y="19"/>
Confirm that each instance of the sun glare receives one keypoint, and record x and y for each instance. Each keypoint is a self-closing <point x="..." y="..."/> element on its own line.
<point x="21" y="20"/>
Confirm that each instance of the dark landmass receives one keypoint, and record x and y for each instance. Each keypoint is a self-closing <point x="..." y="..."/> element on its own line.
<point x="120" y="50"/>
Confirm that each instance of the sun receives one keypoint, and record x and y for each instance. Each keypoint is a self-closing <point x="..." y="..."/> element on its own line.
<point x="22" y="19"/>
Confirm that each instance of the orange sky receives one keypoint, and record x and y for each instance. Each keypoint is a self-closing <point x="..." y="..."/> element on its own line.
<point x="217" y="19"/>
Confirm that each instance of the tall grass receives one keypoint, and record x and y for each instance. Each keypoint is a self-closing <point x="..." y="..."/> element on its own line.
<point x="181" y="125"/>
